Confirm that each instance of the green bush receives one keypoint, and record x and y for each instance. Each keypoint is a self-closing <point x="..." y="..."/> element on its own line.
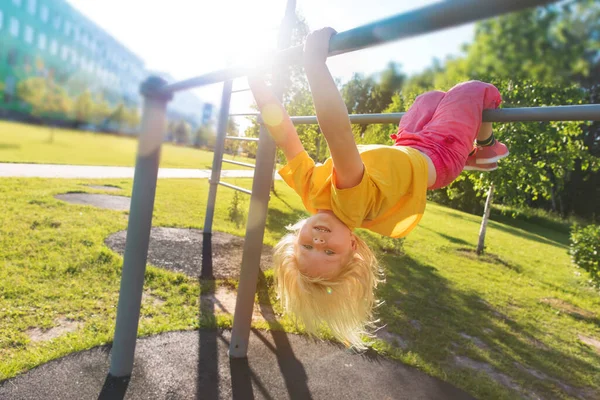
<point x="236" y="210"/>
<point x="585" y="249"/>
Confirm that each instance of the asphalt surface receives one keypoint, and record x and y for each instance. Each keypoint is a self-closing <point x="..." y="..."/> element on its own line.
<point x="196" y="365"/>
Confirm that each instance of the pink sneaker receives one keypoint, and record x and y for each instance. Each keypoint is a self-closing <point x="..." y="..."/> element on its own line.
<point x="491" y="154"/>
<point x="472" y="165"/>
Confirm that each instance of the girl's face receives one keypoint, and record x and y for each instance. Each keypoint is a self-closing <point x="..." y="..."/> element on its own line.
<point x="324" y="245"/>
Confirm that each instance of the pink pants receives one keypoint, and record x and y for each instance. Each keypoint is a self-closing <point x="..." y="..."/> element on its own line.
<point x="444" y="126"/>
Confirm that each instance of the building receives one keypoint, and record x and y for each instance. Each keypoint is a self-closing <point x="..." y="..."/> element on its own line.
<point x="50" y="39"/>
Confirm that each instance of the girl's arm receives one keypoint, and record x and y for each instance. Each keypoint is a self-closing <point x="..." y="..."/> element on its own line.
<point x="276" y="119"/>
<point x="332" y="113"/>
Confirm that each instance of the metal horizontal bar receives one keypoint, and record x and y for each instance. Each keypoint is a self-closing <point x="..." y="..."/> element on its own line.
<point x="239" y="163"/>
<point x="427" y="19"/>
<point x="247" y="139"/>
<point x="239" y="189"/>
<point x="587" y="112"/>
<point x="245" y="115"/>
<point x="240" y="90"/>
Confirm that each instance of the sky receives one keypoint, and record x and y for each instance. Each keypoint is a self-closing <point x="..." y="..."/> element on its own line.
<point x="187" y="38"/>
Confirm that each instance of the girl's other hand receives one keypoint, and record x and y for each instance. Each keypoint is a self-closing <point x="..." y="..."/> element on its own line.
<point x="316" y="46"/>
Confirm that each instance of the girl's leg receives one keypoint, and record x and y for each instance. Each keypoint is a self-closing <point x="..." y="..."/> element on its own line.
<point x="485" y="132"/>
<point x="421" y="111"/>
<point x="458" y="116"/>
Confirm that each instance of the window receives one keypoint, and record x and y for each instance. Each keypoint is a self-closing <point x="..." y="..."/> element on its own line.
<point x="57" y="22"/>
<point x="1" y="19"/>
<point x="64" y="52"/>
<point x="53" y="47"/>
<point x="14" y="27"/>
<point x="67" y="28"/>
<point x="42" y="41"/>
<point x="44" y="13"/>
<point x="31" y="6"/>
<point x="29" y="34"/>
<point x="17" y="3"/>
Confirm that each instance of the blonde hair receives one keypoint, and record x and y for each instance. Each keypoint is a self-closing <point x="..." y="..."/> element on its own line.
<point x="344" y="304"/>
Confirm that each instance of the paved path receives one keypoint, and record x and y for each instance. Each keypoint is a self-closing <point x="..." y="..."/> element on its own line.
<point x="195" y="365"/>
<point x="100" y="172"/>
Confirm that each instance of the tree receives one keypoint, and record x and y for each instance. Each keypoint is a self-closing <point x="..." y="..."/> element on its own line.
<point x="373" y="94"/>
<point x="119" y="115"/>
<point x="133" y="117"/>
<point x="380" y="133"/>
<point x="45" y="97"/>
<point x="84" y="108"/>
<point x="484" y="220"/>
<point x="204" y="136"/>
<point x="101" y="109"/>
<point x="559" y="43"/>
<point x="544" y="56"/>
<point x="542" y="154"/>
<point x="182" y="132"/>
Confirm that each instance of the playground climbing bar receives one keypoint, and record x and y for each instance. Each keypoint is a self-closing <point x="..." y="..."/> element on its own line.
<point x="441" y="15"/>
<point x="157" y="94"/>
<point x="584" y="112"/>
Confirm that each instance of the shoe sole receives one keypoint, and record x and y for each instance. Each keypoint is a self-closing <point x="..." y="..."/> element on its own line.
<point x="480" y="169"/>
<point x="491" y="160"/>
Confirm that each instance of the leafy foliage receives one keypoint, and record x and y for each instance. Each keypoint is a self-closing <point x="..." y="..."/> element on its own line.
<point x="45" y="97"/>
<point x="585" y="249"/>
<point x="235" y="211"/>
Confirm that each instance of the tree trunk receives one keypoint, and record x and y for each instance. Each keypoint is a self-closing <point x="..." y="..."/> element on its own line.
<point x="484" y="221"/>
<point x="51" y="138"/>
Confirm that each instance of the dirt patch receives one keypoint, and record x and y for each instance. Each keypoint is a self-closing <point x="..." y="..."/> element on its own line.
<point x="415" y="324"/>
<point x="104" y="187"/>
<point x="466" y="362"/>
<point x="590" y="341"/>
<point x="120" y="203"/>
<point x="223" y="302"/>
<point x="568" y="308"/>
<point x="475" y="340"/>
<point x="151" y="299"/>
<point x="180" y="250"/>
<point x="63" y="325"/>
<point x="581" y="393"/>
<point x="487" y="257"/>
<point x="391" y="338"/>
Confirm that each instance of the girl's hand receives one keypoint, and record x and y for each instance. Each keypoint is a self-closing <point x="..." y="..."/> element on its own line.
<point x="316" y="47"/>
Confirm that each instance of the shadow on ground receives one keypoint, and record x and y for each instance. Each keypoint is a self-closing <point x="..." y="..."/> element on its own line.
<point x="443" y="324"/>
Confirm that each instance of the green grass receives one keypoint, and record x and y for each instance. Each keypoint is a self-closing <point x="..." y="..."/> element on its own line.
<point x="21" y="143"/>
<point x="54" y="264"/>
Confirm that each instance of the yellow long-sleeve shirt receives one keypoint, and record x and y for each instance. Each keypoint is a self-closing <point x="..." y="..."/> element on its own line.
<point x="389" y="200"/>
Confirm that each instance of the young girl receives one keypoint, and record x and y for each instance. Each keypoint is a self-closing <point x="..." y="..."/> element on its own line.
<point x="324" y="272"/>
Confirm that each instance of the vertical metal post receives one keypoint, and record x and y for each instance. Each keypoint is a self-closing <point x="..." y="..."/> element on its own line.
<point x="255" y="229"/>
<point x="207" y="270"/>
<point x="154" y="123"/>
<point x="257" y="217"/>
